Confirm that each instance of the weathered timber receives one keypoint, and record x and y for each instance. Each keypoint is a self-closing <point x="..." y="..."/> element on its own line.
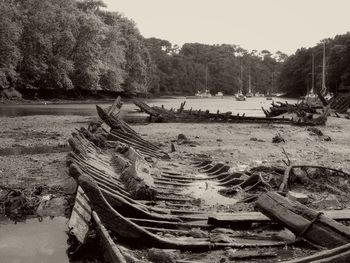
<point x="303" y="221"/>
<point x="114" y="254"/>
<point x="134" y="234"/>
<point x="163" y="115"/>
<point x="235" y="219"/>
<point x="339" y="254"/>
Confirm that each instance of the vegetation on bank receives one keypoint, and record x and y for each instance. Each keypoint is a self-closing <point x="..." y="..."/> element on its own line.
<point x="76" y="47"/>
<point x="295" y="76"/>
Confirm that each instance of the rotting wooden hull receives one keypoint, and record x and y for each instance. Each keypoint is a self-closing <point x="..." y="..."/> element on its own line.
<point x="157" y="114"/>
<point x="137" y="224"/>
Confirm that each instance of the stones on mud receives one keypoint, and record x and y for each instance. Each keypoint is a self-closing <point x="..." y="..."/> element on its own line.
<point x="254" y="139"/>
<point x="319" y="133"/>
<point x="315" y="131"/>
<point x="163" y="255"/>
<point x="278" y="138"/>
<point x="182" y="139"/>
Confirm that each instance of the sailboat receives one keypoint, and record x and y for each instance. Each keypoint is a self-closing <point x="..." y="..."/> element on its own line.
<point x="249" y="94"/>
<point x="324" y="91"/>
<point x="311" y="96"/>
<point x="239" y="95"/>
<point x="202" y="93"/>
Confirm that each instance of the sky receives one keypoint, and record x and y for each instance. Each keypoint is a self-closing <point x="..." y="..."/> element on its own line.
<point x="283" y="25"/>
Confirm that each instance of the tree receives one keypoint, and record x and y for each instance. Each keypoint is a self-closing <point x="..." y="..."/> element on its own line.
<point x="10" y="32"/>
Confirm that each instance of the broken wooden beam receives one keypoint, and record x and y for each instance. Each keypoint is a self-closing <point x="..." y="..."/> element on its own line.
<point x="304" y="222"/>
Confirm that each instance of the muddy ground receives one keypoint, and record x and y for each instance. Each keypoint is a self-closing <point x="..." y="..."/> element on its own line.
<point x="33" y="153"/>
<point x="33" y="148"/>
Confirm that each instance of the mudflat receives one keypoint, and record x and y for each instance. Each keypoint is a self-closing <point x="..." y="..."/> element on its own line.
<point x="33" y="148"/>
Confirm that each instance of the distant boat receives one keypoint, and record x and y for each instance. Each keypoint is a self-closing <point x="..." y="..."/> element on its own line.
<point x="239" y="95"/>
<point x="219" y="94"/>
<point x="268" y="96"/>
<point x="205" y="94"/>
<point x="311" y="96"/>
<point x="249" y="93"/>
<point x="202" y="94"/>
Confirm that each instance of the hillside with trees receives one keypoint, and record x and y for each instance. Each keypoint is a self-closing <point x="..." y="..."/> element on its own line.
<point x="74" y="46"/>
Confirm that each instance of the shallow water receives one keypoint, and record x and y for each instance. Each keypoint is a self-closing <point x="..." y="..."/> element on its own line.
<point x="33" y="241"/>
<point x="207" y="191"/>
<point x="251" y="107"/>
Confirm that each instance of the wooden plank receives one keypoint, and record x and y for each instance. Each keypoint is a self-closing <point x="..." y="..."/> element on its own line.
<point x="81" y="216"/>
<point x="113" y="252"/>
<point x="257" y="217"/>
<point x="303" y="221"/>
<point x="340" y="255"/>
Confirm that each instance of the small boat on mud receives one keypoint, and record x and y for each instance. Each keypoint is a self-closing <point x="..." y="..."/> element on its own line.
<point x="219" y="94"/>
<point x="240" y="97"/>
<point x="200" y="95"/>
<point x="144" y="208"/>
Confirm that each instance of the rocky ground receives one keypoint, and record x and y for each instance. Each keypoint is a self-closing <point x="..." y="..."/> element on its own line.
<point x="33" y="148"/>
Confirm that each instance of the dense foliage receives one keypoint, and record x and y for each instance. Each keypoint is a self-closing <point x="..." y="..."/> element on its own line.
<point x="296" y="73"/>
<point x="67" y="44"/>
<point x="196" y="67"/>
<point x="77" y="44"/>
<point x="72" y="44"/>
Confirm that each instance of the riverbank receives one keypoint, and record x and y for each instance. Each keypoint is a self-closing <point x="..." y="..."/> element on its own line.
<point x="34" y="148"/>
<point x="33" y="152"/>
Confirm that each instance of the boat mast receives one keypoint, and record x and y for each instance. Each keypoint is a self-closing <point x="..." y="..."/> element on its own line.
<point x="324" y="88"/>
<point x="313" y="74"/>
<point x="206" y="77"/>
<point x="241" y="90"/>
<point x="250" y="82"/>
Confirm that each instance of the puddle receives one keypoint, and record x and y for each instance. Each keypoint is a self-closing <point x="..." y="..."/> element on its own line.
<point x="33" y="241"/>
<point x="208" y="192"/>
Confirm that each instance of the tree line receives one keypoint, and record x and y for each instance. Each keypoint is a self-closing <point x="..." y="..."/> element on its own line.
<point x="77" y="45"/>
<point x="296" y="72"/>
<point x="67" y="44"/>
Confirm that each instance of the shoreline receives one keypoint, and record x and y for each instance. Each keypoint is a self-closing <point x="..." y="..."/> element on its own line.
<point x="4" y="102"/>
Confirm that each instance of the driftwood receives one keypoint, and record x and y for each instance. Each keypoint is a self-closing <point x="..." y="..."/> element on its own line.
<point x="284" y="187"/>
<point x="303" y="221"/>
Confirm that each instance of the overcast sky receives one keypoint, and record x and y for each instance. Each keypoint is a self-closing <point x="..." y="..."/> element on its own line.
<point x="283" y="25"/>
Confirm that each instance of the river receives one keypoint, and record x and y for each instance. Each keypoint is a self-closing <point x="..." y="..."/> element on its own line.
<point x="251" y="107"/>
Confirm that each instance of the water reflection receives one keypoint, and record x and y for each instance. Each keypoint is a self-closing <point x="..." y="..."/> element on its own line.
<point x="251" y="107"/>
<point x="32" y="241"/>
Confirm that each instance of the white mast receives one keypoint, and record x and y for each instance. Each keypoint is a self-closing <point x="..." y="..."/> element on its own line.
<point x="250" y="83"/>
<point x="206" y="78"/>
<point x="241" y="88"/>
<point x="313" y="75"/>
<point x="324" y="88"/>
